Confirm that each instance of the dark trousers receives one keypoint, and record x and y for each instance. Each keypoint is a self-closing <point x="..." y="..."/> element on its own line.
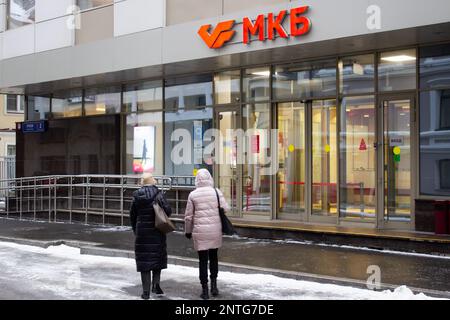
<point x="203" y="257"/>
<point x="146" y="278"/>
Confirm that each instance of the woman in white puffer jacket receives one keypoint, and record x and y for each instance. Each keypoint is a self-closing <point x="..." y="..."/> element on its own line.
<point x="202" y="223"/>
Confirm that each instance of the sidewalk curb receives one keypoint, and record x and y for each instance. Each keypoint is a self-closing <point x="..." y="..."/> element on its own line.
<point x="87" y="248"/>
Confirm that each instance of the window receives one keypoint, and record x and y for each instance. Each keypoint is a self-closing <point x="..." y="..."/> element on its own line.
<point x="435" y="67"/>
<point x="397" y="70"/>
<point x="145" y="143"/>
<point x="227" y="87"/>
<point x="306" y="80"/>
<point x="256" y="85"/>
<point x="434" y="141"/>
<point x="357" y="157"/>
<point x="191" y="125"/>
<point x="67" y="104"/>
<point x="291" y="157"/>
<point x="15" y="103"/>
<point x="256" y="176"/>
<point x="444" y="173"/>
<point x="357" y="74"/>
<point x="88" y="4"/>
<point x="143" y="97"/>
<point x="38" y="108"/>
<point x="324" y="158"/>
<point x="11" y="150"/>
<point x="102" y="101"/>
<point x="188" y="93"/>
<point x="20" y="13"/>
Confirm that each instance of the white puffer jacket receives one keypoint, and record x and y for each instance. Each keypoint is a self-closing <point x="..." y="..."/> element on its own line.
<point x="202" y="214"/>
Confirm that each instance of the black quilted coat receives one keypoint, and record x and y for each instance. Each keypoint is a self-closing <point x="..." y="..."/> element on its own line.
<point x="150" y="246"/>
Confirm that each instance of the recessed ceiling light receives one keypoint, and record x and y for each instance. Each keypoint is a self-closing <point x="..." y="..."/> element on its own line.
<point x="399" y="58"/>
<point x="262" y="73"/>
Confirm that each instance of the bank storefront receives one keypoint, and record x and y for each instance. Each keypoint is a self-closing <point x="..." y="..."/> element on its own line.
<point x="356" y="136"/>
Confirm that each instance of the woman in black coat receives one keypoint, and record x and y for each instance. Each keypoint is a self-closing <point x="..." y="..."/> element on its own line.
<point x="150" y="245"/>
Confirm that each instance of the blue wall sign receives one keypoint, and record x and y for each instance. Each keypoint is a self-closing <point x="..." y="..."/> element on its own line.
<point x="34" y="127"/>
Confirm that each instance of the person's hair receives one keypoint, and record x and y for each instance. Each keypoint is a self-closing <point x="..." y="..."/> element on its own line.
<point x="148" y="180"/>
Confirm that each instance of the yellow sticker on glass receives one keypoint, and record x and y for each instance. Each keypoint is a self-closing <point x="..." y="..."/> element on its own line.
<point x="194" y="172"/>
<point x="397" y="151"/>
<point x="327" y="148"/>
<point x="291" y="148"/>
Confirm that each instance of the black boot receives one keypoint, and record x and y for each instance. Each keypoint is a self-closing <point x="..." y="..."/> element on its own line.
<point x="156" y="280"/>
<point x="205" y="294"/>
<point x="214" y="290"/>
<point x="146" y="278"/>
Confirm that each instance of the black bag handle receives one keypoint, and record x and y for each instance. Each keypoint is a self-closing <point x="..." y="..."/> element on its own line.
<point x="218" y="199"/>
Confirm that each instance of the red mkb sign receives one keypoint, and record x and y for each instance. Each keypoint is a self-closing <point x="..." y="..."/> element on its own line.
<point x="299" y="25"/>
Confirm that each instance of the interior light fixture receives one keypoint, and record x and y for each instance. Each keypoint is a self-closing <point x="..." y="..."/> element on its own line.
<point x="399" y="58"/>
<point x="261" y="73"/>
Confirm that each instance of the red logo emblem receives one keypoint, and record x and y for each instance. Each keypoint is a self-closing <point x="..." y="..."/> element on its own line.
<point x="221" y="34"/>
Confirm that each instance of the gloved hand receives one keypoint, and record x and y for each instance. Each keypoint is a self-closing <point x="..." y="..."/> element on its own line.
<point x="188" y="235"/>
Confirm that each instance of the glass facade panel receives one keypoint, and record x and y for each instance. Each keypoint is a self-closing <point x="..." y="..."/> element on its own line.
<point x="227" y="87"/>
<point x="397" y="70"/>
<point x="434" y="141"/>
<point x="102" y="101"/>
<point x="188" y="93"/>
<point x="291" y="157"/>
<point x="357" y="157"/>
<point x="38" y="108"/>
<point x="357" y="74"/>
<point x="435" y="67"/>
<point x="20" y="13"/>
<point x="256" y="85"/>
<point x="145" y="145"/>
<point x="324" y="158"/>
<point x="88" y="4"/>
<point x="67" y="104"/>
<point x="143" y="97"/>
<point x="306" y="80"/>
<point x="184" y="141"/>
<point x="256" y="176"/>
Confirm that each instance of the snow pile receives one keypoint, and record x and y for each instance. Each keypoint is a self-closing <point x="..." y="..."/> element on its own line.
<point x="63" y="272"/>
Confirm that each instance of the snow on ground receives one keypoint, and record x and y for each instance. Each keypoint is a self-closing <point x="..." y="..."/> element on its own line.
<point x="61" y="272"/>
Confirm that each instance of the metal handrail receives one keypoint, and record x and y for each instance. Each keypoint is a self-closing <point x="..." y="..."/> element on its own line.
<point x="110" y="196"/>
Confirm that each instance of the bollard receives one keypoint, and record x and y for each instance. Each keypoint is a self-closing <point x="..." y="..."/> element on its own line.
<point x="440" y="217"/>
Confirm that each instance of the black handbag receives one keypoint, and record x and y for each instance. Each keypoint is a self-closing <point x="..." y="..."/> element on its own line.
<point x="227" y="226"/>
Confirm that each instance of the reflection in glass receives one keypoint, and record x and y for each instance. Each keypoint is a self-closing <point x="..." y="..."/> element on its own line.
<point x="256" y="85"/>
<point x="291" y="155"/>
<point x="143" y="97"/>
<point x="324" y="158"/>
<point x="188" y="93"/>
<point x="397" y="160"/>
<point x="227" y="154"/>
<point x="435" y="67"/>
<point x="434" y="142"/>
<point x="256" y="176"/>
<point x="20" y="13"/>
<point x="194" y="123"/>
<point x="145" y="143"/>
<point x="357" y="155"/>
<point x="306" y="80"/>
<point x="88" y="4"/>
<point x="38" y="108"/>
<point x="67" y="104"/>
<point x="397" y="70"/>
<point x="357" y="74"/>
<point x="102" y="101"/>
<point x="227" y="87"/>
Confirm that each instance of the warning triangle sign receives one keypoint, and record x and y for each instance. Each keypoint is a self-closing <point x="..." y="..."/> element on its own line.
<point x="362" y="145"/>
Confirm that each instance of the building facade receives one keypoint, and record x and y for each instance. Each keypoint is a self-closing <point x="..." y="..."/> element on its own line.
<point x="329" y="112"/>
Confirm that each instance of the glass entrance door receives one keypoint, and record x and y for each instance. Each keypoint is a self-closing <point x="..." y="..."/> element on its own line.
<point x="227" y="157"/>
<point x="395" y="159"/>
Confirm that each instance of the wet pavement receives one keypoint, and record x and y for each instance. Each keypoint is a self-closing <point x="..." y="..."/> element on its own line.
<point x="413" y="270"/>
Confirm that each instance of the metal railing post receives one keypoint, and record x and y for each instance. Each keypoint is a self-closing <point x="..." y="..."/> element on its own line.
<point x="54" y="200"/>
<point x="104" y="200"/>
<point x="34" y="200"/>
<point x="121" y="201"/>
<point x="49" y="200"/>
<point x="20" y="200"/>
<point x="87" y="200"/>
<point x="70" y="199"/>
